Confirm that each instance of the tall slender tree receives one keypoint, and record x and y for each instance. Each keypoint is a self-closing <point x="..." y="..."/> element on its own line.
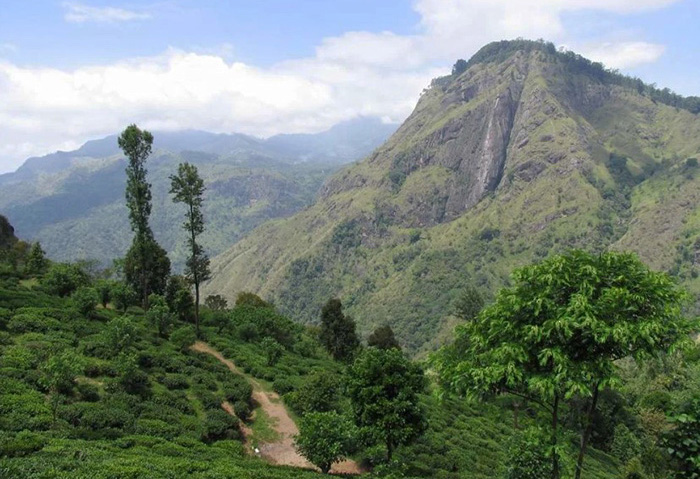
<point x="147" y="265"/>
<point x="187" y="187"/>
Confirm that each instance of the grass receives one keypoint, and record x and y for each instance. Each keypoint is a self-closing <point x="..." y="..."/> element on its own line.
<point x="263" y="427"/>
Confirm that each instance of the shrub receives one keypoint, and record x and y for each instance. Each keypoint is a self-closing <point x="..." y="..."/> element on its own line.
<point x="283" y="385"/>
<point x="625" y="444"/>
<point x="159" y="315"/>
<point x="183" y="338"/>
<point x="62" y="279"/>
<point x="132" y="379"/>
<point x="104" y="291"/>
<point x="220" y="425"/>
<point x="237" y="388"/>
<point x="157" y="428"/>
<point x="529" y="456"/>
<point x="248" y="332"/>
<point x="21" y="444"/>
<point x="123" y="296"/>
<point x="88" y="392"/>
<point x="273" y="350"/>
<point x="175" y="381"/>
<point x="325" y="438"/>
<point x="319" y="393"/>
<point x="85" y="300"/>
<point x="243" y="410"/>
<point x="251" y="299"/>
<point x="210" y="400"/>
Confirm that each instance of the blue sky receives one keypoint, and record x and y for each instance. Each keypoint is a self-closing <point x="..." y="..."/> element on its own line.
<point x="75" y="70"/>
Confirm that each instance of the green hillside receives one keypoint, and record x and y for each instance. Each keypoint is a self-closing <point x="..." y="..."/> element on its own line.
<point x="79" y="213"/>
<point x="98" y="393"/>
<point x="94" y="387"/>
<point x="526" y="153"/>
<point x="73" y="202"/>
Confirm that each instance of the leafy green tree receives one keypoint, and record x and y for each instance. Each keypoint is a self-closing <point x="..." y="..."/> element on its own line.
<point x="146" y="253"/>
<point x="146" y="265"/>
<point x="220" y="319"/>
<point x="187" y="187"/>
<point x="557" y="332"/>
<point x="159" y="315"/>
<point x="246" y="298"/>
<point x="324" y="438"/>
<point x="179" y="297"/>
<point x="36" y="262"/>
<point x="459" y="67"/>
<point x="319" y="393"/>
<point x="469" y="304"/>
<point x="383" y="386"/>
<point x="683" y="441"/>
<point x="338" y="334"/>
<point x="85" y="300"/>
<point x="529" y="456"/>
<point x="58" y="377"/>
<point x="273" y="350"/>
<point x="216" y="302"/>
<point x="63" y="279"/>
<point x="120" y="334"/>
<point x="183" y="338"/>
<point x="131" y="378"/>
<point x="123" y="295"/>
<point x="104" y="291"/>
<point x="383" y="338"/>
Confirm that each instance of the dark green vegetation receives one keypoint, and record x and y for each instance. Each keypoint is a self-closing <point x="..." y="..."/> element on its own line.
<point x="523" y="153"/>
<point x="556" y="335"/>
<point x="72" y="202"/>
<point x="146" y="264"/>
<point x="187" y="188"/>
<point x="92" y="392"/>
<point x="95" y="393"/>
<point x="325" y="438"/>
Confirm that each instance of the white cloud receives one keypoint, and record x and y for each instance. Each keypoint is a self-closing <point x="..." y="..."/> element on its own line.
<point x="357" y="73"/>
<point x="79" y="13"/>
<point x="624" y="54"/>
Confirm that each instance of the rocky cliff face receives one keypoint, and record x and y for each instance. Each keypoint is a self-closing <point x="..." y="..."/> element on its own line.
<point x="527" y="153"/>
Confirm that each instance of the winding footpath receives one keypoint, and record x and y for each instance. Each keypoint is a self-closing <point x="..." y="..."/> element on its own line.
<point x="282" y="451"/>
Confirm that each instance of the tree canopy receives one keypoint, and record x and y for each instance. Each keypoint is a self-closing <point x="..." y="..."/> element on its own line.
<point x="187" y="187"/>
<point x="556" y="333"/>
<point x="338" y="331"/>
<point x="383" y="386"/>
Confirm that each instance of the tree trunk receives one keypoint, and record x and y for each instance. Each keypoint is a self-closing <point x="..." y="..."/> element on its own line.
<point x="389" y="450"/>
<point x="196" y="306"/>
<point x="586" y="435"/>
<point x="516" y="415"/>
<point x="195" y="268"/>
<point x="555" y="434"/>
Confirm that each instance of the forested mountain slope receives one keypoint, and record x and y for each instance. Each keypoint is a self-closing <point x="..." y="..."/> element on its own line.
<point x="72" y="202"/>
<point x="523" y="153"/>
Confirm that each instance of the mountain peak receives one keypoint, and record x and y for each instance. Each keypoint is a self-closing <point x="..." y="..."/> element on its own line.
<point x="526" y="150"/>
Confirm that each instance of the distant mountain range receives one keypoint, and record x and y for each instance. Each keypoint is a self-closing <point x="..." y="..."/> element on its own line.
<point x="525" y="153"/>
<point x="73" y="202"/>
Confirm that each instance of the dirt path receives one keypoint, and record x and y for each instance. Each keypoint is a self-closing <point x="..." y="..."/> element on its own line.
<point x="282" y="451"/>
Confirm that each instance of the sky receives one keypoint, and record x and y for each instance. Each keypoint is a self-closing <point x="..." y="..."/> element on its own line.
<point x="71" y="71"/>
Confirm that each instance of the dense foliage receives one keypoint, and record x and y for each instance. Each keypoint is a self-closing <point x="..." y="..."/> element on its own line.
<point x="558" y="332"/>
<point x="187" y="187"/>
<point x="146" y="265"/>
<point x="383" y="386"/>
